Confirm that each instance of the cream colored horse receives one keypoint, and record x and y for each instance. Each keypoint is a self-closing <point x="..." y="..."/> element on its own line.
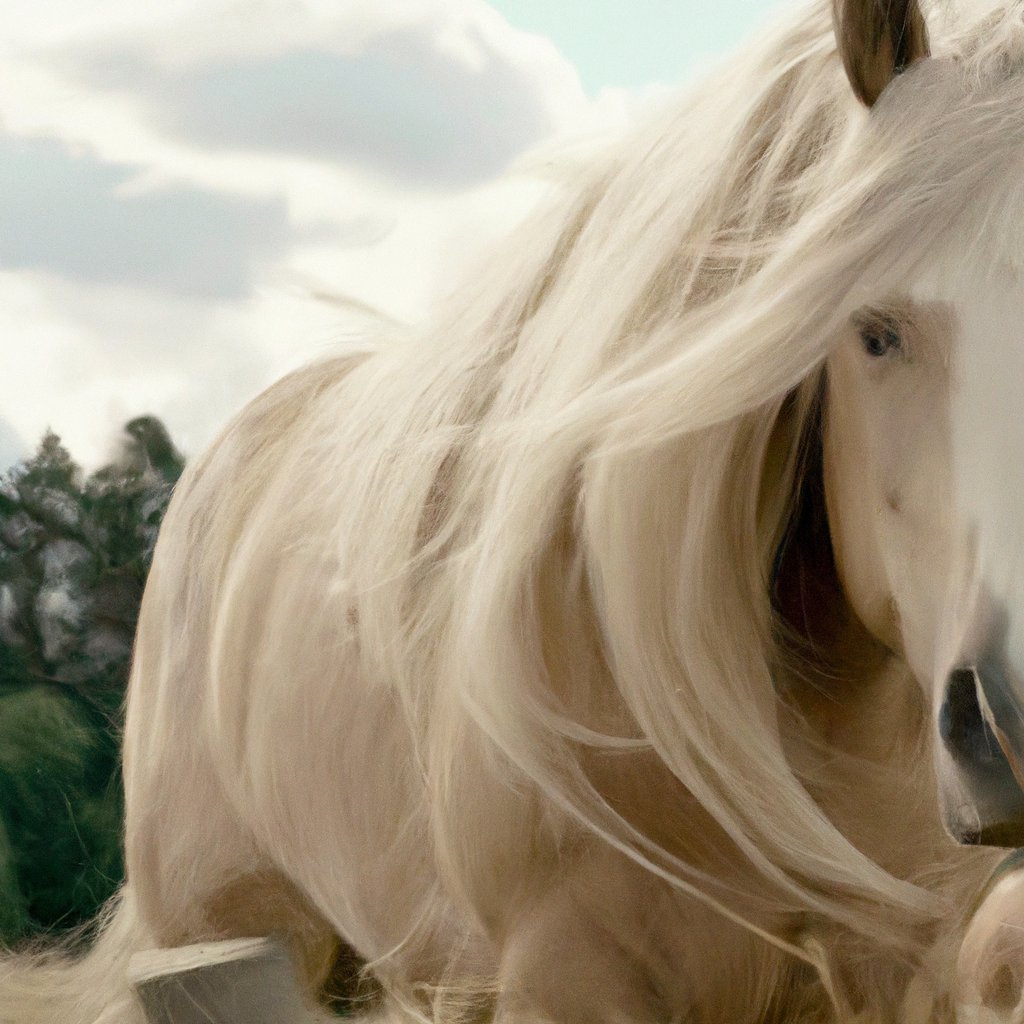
<point x="608" y="651"/>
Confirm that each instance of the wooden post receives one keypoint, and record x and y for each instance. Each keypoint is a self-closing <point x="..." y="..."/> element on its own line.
<point x="240" y="981"/>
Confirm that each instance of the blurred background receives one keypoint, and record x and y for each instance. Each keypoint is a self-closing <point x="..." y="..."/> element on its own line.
<point x="195" y="197"/>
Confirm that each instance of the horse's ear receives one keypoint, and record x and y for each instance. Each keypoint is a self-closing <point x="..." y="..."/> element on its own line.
<point x="877" y="40"/>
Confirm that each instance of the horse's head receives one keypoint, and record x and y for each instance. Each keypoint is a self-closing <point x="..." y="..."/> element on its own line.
<point x="924" y="480"/>
<point x="922" y="451"/>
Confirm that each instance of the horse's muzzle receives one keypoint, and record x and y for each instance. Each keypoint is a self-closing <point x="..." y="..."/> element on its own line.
<point x="981" y="727"/>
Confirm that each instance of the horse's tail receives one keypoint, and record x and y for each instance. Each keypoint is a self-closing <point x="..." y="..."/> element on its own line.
<point x="65" y="986"/>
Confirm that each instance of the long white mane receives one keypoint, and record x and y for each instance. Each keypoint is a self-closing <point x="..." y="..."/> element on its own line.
<point x="551" y="520"/>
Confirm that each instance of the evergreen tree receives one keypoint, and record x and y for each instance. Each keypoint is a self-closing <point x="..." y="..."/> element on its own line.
<point x="74" y="554"/>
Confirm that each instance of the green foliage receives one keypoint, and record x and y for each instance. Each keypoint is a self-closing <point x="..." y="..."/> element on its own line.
<point x="74" y="553"/>
<point x="60" y="810"/>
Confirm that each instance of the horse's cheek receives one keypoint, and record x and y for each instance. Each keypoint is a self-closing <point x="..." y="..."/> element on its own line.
<point x="854" y="510"/>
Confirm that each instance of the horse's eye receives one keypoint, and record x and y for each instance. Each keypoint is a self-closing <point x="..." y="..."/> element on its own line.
<point x="880" y="339"/>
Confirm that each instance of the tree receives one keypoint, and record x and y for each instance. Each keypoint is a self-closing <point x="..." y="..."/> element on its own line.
<point x="74" y="554"/>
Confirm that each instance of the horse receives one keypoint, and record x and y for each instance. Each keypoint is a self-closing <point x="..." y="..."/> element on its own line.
<point x="633" y="642"/>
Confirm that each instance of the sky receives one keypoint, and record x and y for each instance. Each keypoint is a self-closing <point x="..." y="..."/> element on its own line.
<point x="197" y="196"/>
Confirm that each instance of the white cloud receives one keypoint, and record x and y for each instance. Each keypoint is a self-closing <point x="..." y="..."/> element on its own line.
<point x="444" y="93"/>
<point x="69" y="215"/>
<point x="12" y="445"/>
<point x="195" y="197"/>
<point x="399" y="108"/>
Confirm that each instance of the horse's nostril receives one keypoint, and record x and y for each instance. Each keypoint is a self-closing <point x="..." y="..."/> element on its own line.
<point x="983" y="801"/>
<point x="962" y="727"/>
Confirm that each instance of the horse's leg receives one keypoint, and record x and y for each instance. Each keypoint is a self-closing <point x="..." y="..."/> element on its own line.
<point x="195" y="869"/>
<point x="611" y="943"/>
<point x="198" y="876"/>
<point x="561" y="964"/>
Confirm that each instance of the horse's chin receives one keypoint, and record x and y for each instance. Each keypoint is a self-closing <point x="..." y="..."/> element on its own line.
<point x="970" y="826"/>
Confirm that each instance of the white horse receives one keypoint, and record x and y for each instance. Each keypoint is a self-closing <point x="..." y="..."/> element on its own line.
<point x="607" y="652"/>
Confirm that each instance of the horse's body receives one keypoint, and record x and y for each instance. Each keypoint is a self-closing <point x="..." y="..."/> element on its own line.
<point x="575" y="661"/>
<point x="543" y="913"/>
